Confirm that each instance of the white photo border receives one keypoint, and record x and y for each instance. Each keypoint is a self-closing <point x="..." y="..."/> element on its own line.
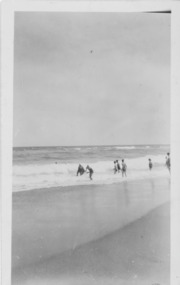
<point x="8" y="9"/>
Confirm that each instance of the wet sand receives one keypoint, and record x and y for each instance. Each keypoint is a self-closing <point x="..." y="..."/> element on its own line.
<point x="92" y="234"/>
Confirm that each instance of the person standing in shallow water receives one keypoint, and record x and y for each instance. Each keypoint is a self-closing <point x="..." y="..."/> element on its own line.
<point x="168" y="162"/>
<point x="90" y="171"/>
<point x="80" y="170"/>
<point x="115" y="167"/>
<point x="118" y="166"/>
<point x="124" y="168"/>
<point x="150" y="164"/>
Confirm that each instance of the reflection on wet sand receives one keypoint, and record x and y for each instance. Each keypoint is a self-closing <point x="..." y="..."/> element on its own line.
<point x="126" y="194"/>
<point x="77" y="215"/>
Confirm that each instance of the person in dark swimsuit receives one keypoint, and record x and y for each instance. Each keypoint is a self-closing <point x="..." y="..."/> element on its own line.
<point x="90" y="171"/>
<point x="80" y="170"/>
<point x="118" y="166"/>
<point x="150" y="164"/>
<point x="124" y="168"/>
<point x="168" y="162"/>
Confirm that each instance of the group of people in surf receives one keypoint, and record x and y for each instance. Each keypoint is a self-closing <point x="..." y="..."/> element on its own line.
<point x="88" y="169"/>
<point x="117" y="168"/>
<point x="120" y="168"/>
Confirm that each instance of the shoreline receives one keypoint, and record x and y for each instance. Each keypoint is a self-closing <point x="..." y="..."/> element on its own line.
<point x="90" y="183"/>
<point x="50" y="174"/>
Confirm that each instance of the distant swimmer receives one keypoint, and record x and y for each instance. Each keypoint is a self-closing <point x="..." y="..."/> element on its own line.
<point x="168" y="162"/>
<point x="150" y="164"/>
<point x="90" y="171"/>
<point x="118" y="166"/>
<point x="115" y="167"/>
<point x="80" y="170"/>
<point x="124" y="168"/>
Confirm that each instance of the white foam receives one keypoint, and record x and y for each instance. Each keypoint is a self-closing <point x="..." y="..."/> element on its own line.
<point x="125" y="147"/>
<point x="33" y="176"/>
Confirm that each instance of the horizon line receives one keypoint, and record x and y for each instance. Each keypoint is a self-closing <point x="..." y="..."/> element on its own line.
<point x="152" y="144"/>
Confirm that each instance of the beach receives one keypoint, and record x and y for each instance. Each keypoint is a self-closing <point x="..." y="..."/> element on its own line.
<point x="91" y="177"/>
<point x="92" y="234"/>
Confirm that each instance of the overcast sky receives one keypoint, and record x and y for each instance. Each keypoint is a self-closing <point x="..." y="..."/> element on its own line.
<point x="91" y="78"/>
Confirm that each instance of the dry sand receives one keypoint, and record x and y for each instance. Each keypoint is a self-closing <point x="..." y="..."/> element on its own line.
<point x="92" y="235"/>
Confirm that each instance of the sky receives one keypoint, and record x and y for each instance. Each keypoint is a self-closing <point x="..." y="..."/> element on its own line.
<point x="91" y="78"/>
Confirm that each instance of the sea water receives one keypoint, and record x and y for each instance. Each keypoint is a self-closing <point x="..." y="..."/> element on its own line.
<point x="44" y="167"/>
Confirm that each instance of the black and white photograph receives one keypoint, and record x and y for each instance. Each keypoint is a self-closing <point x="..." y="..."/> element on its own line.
<point x="91" y="150"/>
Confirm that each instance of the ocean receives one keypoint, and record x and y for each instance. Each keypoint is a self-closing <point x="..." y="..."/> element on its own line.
<point x="44" y="167"/>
